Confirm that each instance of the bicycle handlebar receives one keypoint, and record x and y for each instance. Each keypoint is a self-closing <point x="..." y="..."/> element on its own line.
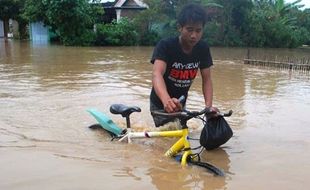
<point x="191" y="114"/>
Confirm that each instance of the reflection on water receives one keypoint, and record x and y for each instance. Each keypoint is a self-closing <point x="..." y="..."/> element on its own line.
<point x="174" y="177"/>
<point x="46" y="89"/>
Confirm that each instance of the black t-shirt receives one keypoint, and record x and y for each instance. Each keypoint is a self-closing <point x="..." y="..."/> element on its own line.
<point x="181" y="68"/>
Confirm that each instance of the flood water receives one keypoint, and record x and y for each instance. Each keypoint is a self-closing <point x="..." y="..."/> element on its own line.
<point x="45" y="142"/>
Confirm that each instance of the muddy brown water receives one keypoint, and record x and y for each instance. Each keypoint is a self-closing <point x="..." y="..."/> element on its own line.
<point x="45" y="143"/>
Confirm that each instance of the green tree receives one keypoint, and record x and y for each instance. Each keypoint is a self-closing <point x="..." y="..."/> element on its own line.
<point x="72" y="20"/>
<point x="35" y="10"/>
<point x="303" y="24"/>
<point x="226" y="27"/>
<point x="146" y="21"/>
<point x="272" y="24"/>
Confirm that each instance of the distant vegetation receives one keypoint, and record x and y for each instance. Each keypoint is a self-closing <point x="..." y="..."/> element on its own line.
<point x="254" y="23"/>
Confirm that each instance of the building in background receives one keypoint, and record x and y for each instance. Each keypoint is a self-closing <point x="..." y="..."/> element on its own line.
<point x="128" y="8"/>
<point x="11" y="29"/>
<point x="39" y="33"/>
<point x="122" y="8"/>
<point x="1" y="29"/>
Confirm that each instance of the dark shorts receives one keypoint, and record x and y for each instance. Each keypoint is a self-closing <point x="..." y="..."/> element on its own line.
<point x="161" y="120"/>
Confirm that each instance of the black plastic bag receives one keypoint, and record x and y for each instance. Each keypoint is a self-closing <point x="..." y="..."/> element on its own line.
<point x="215" y="133"/>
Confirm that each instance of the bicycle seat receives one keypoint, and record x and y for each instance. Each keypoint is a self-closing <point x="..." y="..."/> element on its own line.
<point x="124" y="110"/>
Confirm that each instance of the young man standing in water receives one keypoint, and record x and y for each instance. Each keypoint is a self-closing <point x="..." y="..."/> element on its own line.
<point x="176" y="62"/>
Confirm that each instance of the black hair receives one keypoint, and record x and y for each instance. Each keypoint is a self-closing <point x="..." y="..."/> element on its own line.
<point x="192" y="13"/>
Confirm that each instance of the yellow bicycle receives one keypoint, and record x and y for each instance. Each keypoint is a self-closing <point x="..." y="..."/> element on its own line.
<point x="181" y="146"/>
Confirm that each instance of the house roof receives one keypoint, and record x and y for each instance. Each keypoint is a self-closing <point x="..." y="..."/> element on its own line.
<point x="122" y="4"/>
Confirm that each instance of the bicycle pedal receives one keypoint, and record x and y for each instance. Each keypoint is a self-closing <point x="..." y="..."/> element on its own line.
<point x="195" y="158"/>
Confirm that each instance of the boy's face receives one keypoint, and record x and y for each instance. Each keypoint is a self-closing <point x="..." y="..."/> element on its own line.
<point x="191" y="33"/>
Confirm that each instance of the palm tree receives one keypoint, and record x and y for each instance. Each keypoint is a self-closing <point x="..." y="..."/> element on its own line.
<point x="282" y="10"/>
<point x="278" y="10"/>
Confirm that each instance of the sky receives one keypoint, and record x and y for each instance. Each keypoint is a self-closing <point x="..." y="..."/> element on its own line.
<point x="303" y="2"/>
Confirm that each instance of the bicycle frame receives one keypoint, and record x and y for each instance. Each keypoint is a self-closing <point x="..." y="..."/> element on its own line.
<point x="177" y="147"/>
<point x="181" y="145"/>
<point x="106" y="123"/>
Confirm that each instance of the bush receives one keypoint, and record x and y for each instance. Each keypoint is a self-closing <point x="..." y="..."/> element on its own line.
<point x="149" y="38"/>
<point x="120" y="33"/>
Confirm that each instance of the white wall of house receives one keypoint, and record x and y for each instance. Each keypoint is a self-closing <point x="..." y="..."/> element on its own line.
<point x="118" y="14"/>
<point x="15" y="28"/>
<point x="39" y="32"/>
<point x="127" y="3"/>
<point x="1" y="29"/>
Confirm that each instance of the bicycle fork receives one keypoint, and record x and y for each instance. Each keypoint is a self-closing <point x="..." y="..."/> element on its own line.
<point x="180" y="145"/>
